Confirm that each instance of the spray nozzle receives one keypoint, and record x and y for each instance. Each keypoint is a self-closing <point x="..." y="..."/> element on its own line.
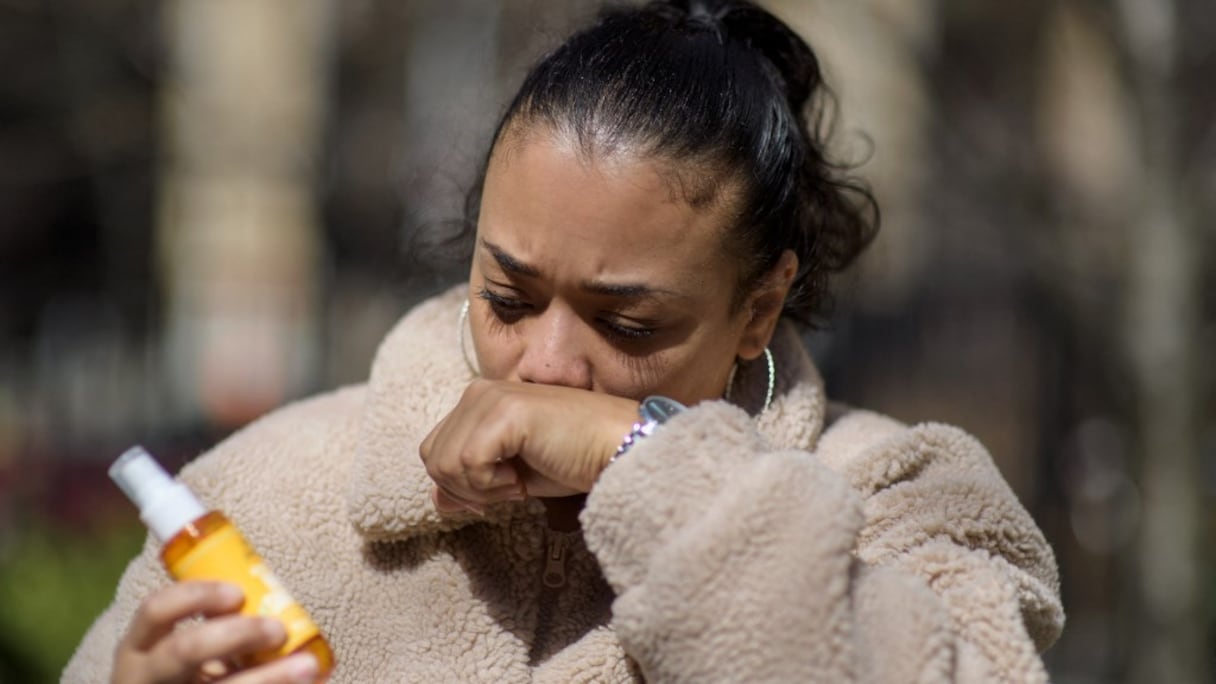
<point x="165" y="505"/>
<point x="139" y="475"/>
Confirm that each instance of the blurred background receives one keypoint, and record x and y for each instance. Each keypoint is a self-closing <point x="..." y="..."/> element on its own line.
<point x="207" y="207"/>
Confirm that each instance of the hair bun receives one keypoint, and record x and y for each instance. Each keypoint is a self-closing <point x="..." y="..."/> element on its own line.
<point x="764" y="33"/>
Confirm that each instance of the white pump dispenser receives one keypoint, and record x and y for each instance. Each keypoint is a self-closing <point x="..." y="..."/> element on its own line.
<point x="165" y="505"/>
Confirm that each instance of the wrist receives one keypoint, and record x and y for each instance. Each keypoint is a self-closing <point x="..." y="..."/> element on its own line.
<point x="618" y="423"/>
<point x="653" y="412"/>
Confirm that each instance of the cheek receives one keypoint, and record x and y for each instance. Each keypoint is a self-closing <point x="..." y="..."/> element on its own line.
<point x="631" y="376"/>
<point x="496" y="347"/>
<point x="699" y="370"/>
<point x="687" y="374"/>
<point x="694" y="378"/>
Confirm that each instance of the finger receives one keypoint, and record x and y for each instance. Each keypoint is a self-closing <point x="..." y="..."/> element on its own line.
<point x="511" y="492"/>
<point x="213" y="670"/>
<point x="500" y="476"/>
<point x="224" y="638"/>
<point x="486" y="459"/>
<point x="428" y="444"/>
<point x="464" y="454"/>
<point x="161" y="610"/>
<point x="297" y="668"/>
<point x="447" y="503"/>
<point x="465" y="467"/>
<point x="447" y="447"/>
<point x="538" y="485"/>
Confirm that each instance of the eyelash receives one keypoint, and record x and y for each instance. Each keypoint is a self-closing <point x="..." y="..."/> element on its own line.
<point x="625" y="333"/>
<point x="499" y="302"/>
<point x="510" y="309"/>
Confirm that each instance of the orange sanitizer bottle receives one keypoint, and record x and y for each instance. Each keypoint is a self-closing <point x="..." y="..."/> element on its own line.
<point x="204" y="545"/>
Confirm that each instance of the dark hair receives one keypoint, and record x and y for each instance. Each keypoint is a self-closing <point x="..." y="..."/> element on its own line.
<point x="731" y="94"/>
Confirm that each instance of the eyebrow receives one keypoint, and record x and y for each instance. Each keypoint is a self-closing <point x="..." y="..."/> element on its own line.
<point x="510" y="264"/>
<point x="620" y="290"/>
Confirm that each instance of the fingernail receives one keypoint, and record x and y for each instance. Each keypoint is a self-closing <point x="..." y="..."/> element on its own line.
<point x="474" y="509"/>
<point x="230" y="593"/>
<point x="303" y="667"/>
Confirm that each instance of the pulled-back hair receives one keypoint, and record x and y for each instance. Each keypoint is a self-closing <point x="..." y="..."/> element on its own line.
<point x="730" y="97"/>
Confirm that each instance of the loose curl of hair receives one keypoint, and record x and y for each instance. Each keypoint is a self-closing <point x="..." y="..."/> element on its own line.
<point x="733" y="100"/>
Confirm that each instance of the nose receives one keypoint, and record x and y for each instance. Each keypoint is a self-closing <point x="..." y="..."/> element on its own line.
<point x="553" y="354"/>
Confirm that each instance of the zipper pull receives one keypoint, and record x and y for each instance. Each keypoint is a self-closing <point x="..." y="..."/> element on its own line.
<point x="555" y="563"/>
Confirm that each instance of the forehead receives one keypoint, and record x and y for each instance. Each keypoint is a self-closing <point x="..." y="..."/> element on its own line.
<point x="611" y="212"/>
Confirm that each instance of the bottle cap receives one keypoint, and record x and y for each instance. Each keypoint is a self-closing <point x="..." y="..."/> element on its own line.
<point x="165" y="505"/>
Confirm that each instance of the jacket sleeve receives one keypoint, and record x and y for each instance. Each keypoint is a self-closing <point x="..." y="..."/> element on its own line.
<point x="94" y="657"/>
<point x="735" y="562"/>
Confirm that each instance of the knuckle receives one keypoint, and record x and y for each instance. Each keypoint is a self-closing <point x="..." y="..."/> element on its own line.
<point x="436" y="472"/>
<point x="468" y="459"/>
<point x="157" y="607"/>
<point x="507" y="407"/>
<point x="485" y="479"/>
<point x="477" y="480"/>
<point x="185" y="646"/>
<point x="147" y="610"/>
<point x="475" y="389"/>
<point x="448" y="470"/>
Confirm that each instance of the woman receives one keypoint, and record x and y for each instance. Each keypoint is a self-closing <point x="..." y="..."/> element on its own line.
<point x="626" y="469"/>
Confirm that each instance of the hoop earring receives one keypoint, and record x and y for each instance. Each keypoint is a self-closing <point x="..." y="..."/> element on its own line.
<point x="772" y="379"/>
<point x="464" y="351"/>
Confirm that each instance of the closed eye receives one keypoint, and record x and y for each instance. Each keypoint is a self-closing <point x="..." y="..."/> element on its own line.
<point x="615" y="329"/>
<point x="510" y="309"/>
<point x="507" y="309"/>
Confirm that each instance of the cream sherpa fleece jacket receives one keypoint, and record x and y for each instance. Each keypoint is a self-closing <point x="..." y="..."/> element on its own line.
<point x="724" y="548"/>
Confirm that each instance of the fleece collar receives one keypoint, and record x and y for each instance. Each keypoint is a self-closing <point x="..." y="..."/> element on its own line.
<point x="418" y="376"/>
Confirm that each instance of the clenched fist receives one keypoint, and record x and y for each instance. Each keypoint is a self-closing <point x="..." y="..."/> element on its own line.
<point x="507" y="440"/>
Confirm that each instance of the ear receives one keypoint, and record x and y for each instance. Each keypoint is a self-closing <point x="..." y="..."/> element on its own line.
<point x="763" y="307"/>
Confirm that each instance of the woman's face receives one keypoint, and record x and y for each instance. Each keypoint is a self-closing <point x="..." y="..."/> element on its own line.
<point x="597" y="274"/>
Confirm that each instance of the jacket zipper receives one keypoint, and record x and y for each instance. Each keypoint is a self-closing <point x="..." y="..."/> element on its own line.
<point x="555" y="562"/>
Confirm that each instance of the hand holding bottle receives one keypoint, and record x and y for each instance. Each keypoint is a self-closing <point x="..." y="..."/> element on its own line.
<point x="153" y="651"/>
<point x="253" y="630"/>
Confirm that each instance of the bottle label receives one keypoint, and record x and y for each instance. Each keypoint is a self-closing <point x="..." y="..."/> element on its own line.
<point x="224" y="555"/>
